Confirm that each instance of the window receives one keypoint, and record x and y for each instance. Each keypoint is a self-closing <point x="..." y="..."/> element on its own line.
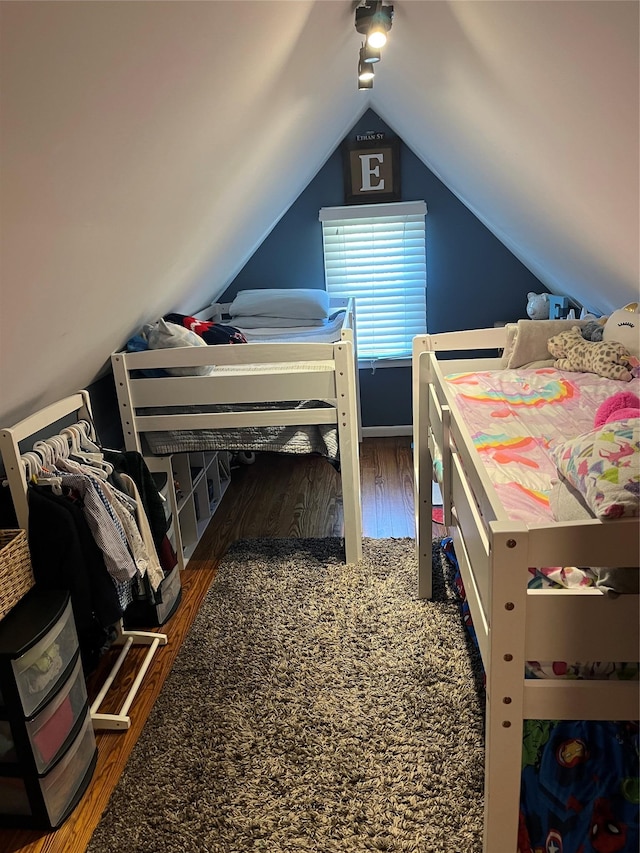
<point x="375" y="253"/>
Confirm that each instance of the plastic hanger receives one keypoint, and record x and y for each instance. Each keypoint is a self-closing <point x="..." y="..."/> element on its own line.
<point x="95" y="459"/>
<point x="73" y="437"/>
<point x="46" y="475"/>
<point x="88" y="433"/>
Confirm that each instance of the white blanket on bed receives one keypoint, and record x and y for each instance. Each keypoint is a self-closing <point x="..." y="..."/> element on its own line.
<point x="327" y="334"/>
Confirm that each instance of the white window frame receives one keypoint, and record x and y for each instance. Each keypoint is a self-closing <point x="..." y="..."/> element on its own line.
<point x="414" y="274"/>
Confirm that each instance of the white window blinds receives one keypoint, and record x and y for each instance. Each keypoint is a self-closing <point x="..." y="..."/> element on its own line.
<point x="375" y="253"/>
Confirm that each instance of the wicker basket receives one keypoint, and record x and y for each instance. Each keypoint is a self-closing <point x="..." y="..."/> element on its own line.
<point x="16" y="573"/>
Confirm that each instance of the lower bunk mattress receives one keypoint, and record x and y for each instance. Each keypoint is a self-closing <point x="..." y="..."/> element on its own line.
<point x="580" y="785"/>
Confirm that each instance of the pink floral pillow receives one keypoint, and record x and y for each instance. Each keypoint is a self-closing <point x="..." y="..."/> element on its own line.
<point x="604" y="465"/>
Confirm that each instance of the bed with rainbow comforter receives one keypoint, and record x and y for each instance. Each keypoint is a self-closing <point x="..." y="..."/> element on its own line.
<point x="580" y="789"/>
<point x="518" y="419"/>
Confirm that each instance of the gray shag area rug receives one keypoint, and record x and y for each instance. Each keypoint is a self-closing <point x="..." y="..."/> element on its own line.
<point x="315" y="706"/>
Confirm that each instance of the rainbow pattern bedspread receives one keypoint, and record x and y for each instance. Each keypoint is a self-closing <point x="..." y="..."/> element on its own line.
<point x="515" y="416"/>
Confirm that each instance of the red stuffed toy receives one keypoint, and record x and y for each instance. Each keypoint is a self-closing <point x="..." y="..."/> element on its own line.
<point x="622" y="405"/>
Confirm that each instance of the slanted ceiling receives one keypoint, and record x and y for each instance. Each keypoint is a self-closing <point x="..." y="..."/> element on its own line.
<point x="147" y="149"/>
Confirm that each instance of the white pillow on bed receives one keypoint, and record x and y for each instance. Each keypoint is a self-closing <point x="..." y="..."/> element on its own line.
<point x="526" y="344"/>
<point x="299" y="303"/>
<point x="165" y="335"/>
<point x="251" y="322"/>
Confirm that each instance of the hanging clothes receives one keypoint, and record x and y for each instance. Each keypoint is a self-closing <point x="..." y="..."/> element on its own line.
<point x="107" y="531"/>
<point x="154" y="569"/>
<point x="83" y="496"/>
<point x="132" y="462"/>
<point x="64" y="555"/>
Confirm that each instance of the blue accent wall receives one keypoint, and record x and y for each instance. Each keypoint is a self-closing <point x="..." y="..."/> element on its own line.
<point x="473" y="280"/>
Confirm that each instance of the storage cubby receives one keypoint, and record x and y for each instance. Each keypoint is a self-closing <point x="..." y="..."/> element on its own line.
<point x="196" y="482"/>
<point x="47" y="745"/>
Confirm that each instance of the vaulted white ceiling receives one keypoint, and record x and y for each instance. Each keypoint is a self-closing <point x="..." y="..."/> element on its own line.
<point x="147" y="149"/>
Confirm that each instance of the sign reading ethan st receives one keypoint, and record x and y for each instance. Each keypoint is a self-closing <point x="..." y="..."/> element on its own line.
<point x="371" y="171"/>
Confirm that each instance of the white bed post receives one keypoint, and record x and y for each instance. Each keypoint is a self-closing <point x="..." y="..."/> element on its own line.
<point x="354" y="330"/>
<point x="505" y="686"/>
<point x="121" y="378"/>
<point x="422" y="466"/>
<point x="346" y="402"/>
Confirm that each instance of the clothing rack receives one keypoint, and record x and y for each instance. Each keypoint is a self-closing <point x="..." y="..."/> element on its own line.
<point x="79" y="405"/>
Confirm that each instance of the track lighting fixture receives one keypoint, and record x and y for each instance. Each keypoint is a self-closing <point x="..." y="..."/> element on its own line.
<point x="365" y="72"/>
<point x="373" y="21"/>
<point x="369" y="54"/>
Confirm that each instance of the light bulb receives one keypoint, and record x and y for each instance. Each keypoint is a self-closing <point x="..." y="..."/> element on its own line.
<point x="377" y="38"/>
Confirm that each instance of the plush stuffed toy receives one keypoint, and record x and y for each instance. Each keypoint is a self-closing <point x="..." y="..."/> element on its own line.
<point x="623" y="326"/>
<point x="538" y="306"/>
<point x="572" y="352"/>
<point x="622" y="405"/>
<point x="593" y="329"/>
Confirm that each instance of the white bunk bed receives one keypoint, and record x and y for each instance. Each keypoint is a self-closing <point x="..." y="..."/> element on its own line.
<point x="246" y="376"/>
<point x="513" y="623"/>
<point x="76" y="407"/>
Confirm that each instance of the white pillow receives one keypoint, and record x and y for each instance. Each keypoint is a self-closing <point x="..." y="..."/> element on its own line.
<point x="263" y="322"/>
<point x="528" y="345"/>
<point x="171" y="336"/>
<point x="300" y="303"/>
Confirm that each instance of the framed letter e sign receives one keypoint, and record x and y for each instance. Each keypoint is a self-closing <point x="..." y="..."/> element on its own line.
<point x="371" y="171"/>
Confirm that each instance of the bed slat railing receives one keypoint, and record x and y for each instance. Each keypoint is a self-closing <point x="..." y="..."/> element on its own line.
<point x="580" y="700"/>
<point x="585" y="543"/>
<point x="228" y="420"/>
<point x="245" y="388"/>
<point x="472" y="531"/>
<point x="578" y="625"/>
<point x="467" y="339"/>
<point x="229" y="355"/>
<point x="478" y="615"/>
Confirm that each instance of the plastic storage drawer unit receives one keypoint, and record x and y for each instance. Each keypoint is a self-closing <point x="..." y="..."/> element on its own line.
<point x="50" y="729"/>
<point x="47" y="745"/>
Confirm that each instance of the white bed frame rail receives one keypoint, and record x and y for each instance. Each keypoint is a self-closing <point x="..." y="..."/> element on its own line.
<point x="300" y="371"/>
<point x="78" y="405"/>
<point x="219" y="313"/>
<point x="514" y="624"/>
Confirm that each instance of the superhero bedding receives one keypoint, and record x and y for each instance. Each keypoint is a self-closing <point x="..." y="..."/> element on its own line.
<point x="579" y="786"/>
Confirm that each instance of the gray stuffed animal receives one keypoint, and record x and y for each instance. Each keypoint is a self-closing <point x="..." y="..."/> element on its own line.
<point x="592" y="331"/>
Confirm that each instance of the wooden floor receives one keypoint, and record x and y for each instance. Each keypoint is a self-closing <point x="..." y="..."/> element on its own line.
<point x="276" y="497"/>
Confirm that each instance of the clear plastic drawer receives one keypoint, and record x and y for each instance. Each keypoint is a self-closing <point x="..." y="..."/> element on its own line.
<point x="50" y="729"/>
<point x="58" y="787"/>
<point x="39" y="671"/>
